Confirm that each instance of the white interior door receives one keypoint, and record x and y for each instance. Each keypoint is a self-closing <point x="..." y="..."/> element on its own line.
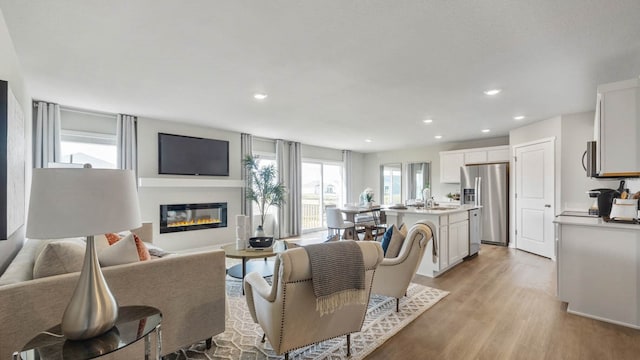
<point x="535" y="188"/>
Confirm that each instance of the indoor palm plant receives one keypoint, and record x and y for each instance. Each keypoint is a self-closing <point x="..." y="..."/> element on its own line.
<point x="263" y="188"/>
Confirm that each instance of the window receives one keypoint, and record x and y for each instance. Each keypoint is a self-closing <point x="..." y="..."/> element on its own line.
<point x="97" y="149"/>
<point x="390" y="183"/>
<point x="321" y="186"/>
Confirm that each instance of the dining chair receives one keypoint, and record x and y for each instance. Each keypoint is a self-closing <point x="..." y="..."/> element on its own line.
<point x="337" y="223"/>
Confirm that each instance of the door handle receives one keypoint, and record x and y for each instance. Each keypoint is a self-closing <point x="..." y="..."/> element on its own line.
<point x="547" y="205"/>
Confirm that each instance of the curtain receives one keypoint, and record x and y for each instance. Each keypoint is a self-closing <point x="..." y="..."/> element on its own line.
<point x="282" y="160"/>
<point x="246" y="148"/>
<point x="126" y="134"/>
<point x="47" y="134"/>
<point x="347" y="172"/>
<point x="289" y="165"/>
<point x="295" y="189"/>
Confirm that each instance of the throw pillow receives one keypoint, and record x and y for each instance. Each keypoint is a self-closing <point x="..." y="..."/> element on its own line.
<point x="397" y="239"/>
<point x="101" y="242"/>
<point x="386" y="238"/>
<point x="59" y="257"/>
<point x="143" y="252"/>
<point x="123" y="251"/>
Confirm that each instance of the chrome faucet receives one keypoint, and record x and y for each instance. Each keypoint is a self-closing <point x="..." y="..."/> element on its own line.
<point x="429" y="203"/>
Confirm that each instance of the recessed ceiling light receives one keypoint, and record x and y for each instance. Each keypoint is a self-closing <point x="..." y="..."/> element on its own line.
<point x="427" y="121"/>
<point x="519" y="117"/>
<point x="368" y="140"/>
<point x="438" y="136"/>
<point x="486" y="130"/>
<point x="259" y="96"/>
<point x="492" y="92"/>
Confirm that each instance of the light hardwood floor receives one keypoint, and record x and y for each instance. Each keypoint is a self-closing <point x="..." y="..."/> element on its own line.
<point x="502" y="305"/>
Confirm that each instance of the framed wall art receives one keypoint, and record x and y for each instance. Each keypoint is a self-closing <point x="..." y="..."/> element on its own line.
<point x="12" y="163"/>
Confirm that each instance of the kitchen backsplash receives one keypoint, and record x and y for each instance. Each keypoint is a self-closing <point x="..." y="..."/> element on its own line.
<point x="633" y="185"/>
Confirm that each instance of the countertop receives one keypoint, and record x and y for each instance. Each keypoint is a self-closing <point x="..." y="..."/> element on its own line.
<point x="440" y="211"/>
<point x="593" y="221"/>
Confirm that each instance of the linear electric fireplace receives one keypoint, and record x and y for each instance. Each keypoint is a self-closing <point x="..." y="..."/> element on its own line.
<point x="185" y="217"/>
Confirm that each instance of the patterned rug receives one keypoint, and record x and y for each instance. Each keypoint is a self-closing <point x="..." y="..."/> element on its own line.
<point x="241" y="340"/>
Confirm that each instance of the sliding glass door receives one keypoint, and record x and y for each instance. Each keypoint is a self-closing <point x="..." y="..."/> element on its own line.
<point x="321" y="186"/>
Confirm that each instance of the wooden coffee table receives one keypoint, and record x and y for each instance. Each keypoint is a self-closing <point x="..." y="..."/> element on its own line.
<point x="265" y="268"/>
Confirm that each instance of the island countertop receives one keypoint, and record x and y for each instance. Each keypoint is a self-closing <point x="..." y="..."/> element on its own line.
<point x="437" y="210"/>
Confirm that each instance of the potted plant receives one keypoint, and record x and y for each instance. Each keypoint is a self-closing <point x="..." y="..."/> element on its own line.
<point x="264" y="188"/>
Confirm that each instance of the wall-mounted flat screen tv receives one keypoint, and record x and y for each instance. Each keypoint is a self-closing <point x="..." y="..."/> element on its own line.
<point x="187" y="155"/>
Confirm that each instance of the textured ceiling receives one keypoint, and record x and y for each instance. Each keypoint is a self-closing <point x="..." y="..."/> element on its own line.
<point x="336" y="72"/>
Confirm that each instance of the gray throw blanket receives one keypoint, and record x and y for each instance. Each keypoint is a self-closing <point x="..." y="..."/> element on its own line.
<point x="433" y="228"/>
<point x="337" y="271"/>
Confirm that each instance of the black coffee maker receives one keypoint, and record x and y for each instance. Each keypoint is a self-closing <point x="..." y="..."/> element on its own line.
<point x="605" y="199"/>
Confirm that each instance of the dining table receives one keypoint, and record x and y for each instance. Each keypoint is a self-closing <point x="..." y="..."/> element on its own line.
<point x="350" y="213"/>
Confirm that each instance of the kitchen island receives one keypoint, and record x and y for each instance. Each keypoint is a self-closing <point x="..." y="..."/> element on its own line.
<point x="451" y="233"/>
<point x="598" y="269"/>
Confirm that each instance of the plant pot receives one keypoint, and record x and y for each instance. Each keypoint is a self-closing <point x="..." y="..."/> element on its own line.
<point x="259" y="232"/>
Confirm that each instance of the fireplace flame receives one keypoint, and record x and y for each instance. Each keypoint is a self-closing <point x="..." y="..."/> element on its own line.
<point x="202" y="221"/>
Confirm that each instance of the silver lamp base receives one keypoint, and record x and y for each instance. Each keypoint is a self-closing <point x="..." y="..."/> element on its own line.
<point x="93" y="309"/>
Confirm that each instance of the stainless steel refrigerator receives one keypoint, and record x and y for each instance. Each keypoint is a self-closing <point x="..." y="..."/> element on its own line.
<point x="488" y="186"/>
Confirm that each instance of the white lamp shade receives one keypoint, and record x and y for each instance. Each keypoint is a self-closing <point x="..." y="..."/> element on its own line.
<point x="81" y="202"/>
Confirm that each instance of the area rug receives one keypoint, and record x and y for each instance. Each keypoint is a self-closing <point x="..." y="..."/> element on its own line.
<point x="241" y="340"/>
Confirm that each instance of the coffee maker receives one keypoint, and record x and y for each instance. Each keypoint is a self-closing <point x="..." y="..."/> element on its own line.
<point x="602" y="200"/>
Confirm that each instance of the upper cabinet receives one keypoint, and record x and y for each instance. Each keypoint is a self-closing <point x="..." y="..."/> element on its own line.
<point x="617" y="129"/>
<point x="451" y="161"/>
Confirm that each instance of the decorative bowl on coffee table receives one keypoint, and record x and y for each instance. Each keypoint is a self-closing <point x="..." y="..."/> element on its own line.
<point x="261" y="241"/>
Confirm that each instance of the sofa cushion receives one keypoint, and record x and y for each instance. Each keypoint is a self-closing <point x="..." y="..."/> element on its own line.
<point x="59" y="257"/>
<point x="395" y="244"/>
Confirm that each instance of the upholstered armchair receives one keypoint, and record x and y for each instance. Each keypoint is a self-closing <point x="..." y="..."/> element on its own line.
<point x="394" y="274"/>
<point x="287" y="312"/>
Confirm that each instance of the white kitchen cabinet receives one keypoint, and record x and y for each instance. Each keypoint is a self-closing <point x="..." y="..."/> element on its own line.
<point x="443" y="248"/>
<point x="498" y="154"/>
<point x="475" y="157"/>
<point x="599" y="272"/>
<point x="458" y="237"/>
<point x="450" y="163"/>
<point x="617" y="129"/>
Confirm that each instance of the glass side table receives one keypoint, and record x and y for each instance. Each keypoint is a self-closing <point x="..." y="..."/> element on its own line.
<point x="133" y="324"/>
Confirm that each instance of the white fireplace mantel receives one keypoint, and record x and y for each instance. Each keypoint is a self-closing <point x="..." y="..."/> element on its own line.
<point x="188" y="182"/>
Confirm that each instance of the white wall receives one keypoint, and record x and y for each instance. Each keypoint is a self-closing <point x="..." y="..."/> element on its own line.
<point x="372" y="161"/>
<point x="10" y="71"/>
<point x="151" y="198"/>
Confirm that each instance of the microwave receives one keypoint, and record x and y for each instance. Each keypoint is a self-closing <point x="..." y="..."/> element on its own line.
<point x="590" y="165"/>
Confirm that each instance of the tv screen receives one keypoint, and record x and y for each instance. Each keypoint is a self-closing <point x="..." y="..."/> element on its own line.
<point x="186" y="155"/>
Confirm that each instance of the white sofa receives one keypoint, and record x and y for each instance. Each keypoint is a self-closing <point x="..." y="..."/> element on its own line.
<point x="189" y="290"/>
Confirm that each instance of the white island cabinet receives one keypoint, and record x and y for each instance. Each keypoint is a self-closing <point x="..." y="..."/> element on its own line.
<point x="452" y="235"/>
<point x="598" y="268"/>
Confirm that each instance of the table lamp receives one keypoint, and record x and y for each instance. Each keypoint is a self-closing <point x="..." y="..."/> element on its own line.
<point x="84" y="202"/>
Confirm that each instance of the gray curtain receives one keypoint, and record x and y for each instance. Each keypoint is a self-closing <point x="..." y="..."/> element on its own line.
<point x="289" y="164"/>
<point x="295" y="189"/>
<point x="47" y="134"/>
<point x="246" y="148"/>
<point x="127" y="144"/>
<point x="347" y="172"/>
